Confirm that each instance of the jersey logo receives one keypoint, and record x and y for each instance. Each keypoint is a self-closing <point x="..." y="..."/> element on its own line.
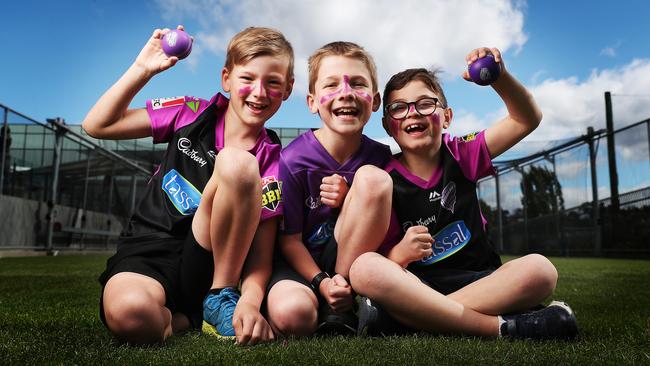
<point x="448" y="241"/>
<point x="271" y="193"/>
<point x="321" y="234"/>
<point x="434" y="196"/>
<point x="448" y="199"/>
<point x="469" y="137"/>
<point x="194" y="106"/>
<point x="185" y="146"/>
<point x="183" y="195"/>
<point x="166" y="102"/>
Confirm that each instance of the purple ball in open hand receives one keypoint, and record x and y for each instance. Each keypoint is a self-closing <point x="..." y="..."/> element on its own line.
<point x="484" y="71"/>
<point x="177" y="43"/>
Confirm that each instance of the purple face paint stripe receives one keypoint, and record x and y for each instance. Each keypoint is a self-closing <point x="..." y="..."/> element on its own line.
<point x="245" y="90"/>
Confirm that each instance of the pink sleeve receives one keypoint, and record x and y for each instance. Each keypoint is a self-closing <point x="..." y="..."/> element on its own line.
<point x="471" y="153"/>
<point x="169" y="114"/>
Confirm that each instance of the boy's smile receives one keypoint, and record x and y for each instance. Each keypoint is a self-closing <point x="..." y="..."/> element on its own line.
<point x="343" y="95"/>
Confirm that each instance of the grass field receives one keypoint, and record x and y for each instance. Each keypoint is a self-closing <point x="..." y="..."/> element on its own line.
<point x="48" y="315"/>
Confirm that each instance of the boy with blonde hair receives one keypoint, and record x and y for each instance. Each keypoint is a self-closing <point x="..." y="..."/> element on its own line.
<point x="209" y="213"/>
<point x="333" y="192"/>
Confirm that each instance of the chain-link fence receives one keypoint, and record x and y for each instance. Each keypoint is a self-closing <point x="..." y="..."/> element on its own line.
<point x="563" y="201"/>
<point x="61" y="189"/>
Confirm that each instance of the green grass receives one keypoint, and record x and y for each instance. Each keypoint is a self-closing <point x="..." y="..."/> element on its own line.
<point x="49" y="305"/>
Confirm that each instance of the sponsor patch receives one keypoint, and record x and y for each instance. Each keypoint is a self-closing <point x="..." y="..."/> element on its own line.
<point x="166" y="102"/>
<point x="183" y="195"/>
<point x="321" y="234"/>
<point x="469" y="137"/>
<point x="271" y="193"/>
<point x="194" y="105"/>
<point x="448" y="241"/>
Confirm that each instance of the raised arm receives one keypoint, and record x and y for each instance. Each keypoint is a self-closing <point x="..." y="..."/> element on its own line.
<point x="523" y="113"/>
<point x="110" y="117"/>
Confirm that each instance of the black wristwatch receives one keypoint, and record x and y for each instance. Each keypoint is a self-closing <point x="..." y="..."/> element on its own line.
<point x="315" y="282"/>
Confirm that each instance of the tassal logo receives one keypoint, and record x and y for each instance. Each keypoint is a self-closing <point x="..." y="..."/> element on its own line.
<point x="182" y="194"/>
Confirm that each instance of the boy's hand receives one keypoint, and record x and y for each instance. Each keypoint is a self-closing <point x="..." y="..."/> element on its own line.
<point x="333" y="190"/>
<point x="337" y="292"/>
<point x="152" y="59"/>
<point x="415" y="246"/>
<point x="480" y="53"/>
<point x="250" y="326"/>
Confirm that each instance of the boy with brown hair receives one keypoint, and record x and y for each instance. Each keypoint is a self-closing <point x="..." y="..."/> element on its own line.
<point x="331" y="182"/>
<point x="209" y="213"/>
<point x="440" y="273"/>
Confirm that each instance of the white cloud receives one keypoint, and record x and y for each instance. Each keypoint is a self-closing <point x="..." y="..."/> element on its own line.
<point x="398" y="34"/>
<point x="608" y="51"/>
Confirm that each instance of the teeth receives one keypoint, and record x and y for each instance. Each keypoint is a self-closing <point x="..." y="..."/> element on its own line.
<point x="346" y="111"/>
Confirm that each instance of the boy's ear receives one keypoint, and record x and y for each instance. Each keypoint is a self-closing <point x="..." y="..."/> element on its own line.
<point x="449" y="114"/>
<point x="384" y="123"/>
<point x="225" y="80"/>
<point x="311" y="103"/>
<point x="288" y="90"/>
<point x="376" y="102"/>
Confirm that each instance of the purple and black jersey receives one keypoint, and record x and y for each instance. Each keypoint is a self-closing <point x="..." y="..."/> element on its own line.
<point x="194" y="129"/>
<point x="303" y="165"/>
<point x="447" y="205"/>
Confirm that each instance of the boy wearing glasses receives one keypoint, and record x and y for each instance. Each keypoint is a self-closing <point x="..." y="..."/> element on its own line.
<point x="454" y="281"/>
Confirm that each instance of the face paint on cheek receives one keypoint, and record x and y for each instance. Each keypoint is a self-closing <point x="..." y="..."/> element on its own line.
<point x="394" y="126"/>
<point x="245" y="90"/>
<point x="274" y="94"/>
<point x="435" y="119"/>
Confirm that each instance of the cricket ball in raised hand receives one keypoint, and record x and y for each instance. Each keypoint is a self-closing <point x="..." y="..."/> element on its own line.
<point x="177" y="43"/>
<point x="485" y="70"/>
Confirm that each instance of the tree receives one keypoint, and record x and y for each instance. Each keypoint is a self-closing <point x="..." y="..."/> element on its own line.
<point x="542" y="192"/>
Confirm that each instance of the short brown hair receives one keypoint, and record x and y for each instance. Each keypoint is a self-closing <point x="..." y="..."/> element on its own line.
<point x="399" y="80"/>
<point x="346" y="49"/>
<point x="255" y="42"/>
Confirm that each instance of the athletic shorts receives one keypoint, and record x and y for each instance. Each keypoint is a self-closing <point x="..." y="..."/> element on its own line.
<point x="446" y="281"/>
<point x="282" y="270"/>
<point x="182" y="267"/>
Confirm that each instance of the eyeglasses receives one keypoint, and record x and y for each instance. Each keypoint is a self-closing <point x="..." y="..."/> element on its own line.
<point x="424" y="106"/>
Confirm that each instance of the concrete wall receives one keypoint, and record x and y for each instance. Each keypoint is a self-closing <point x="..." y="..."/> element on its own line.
<point x="23" y="222"/>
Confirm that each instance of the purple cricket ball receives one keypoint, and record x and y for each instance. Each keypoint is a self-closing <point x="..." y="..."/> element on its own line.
<point x="177" y="43"/>
<point x="484" y="71"/>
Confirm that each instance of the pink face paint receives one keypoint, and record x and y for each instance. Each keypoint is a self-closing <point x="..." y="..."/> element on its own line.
<point x="274" y="94"/>
<point x="435" y="119"/>
<point x="246" y="90"/>
<point x="394" y="126"/>
<point x="346" y="89"/>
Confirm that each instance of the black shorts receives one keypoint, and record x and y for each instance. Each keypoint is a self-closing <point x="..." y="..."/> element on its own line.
<point x="447" y="281"/>
<point x="282" y="270"/>
<point x="182" y="267"/>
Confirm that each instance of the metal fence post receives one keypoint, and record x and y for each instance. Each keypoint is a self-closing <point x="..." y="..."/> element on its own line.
<point x="59" y="131"/>
<point x="499" y="212"/>
<point x="594" y="192"/>
<point x="5" y="150"/>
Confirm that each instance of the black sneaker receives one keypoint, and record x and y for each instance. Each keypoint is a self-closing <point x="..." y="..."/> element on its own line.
<point x="333" y="323"/>
<point x="555" y="321"/>
<point x="374" y="321"/>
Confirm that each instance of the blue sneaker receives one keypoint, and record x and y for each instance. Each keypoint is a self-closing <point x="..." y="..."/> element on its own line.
<point x="217" y="312"/>
<point x="556" y="321"/>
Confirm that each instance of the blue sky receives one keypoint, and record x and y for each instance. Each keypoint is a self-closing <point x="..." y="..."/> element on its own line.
<point x="59" y="57"/>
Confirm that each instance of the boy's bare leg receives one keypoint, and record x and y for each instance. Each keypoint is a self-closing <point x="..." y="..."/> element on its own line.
<point x="413" y="303"/>
<point x="518" y="285"/>
<point x="134" y="307"/>
<point x="292" y="309"/>
<point x="229" y="212"/>
<point x="364" y="217"/>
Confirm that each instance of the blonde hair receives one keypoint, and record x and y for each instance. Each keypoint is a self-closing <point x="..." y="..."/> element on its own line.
<point x="255" y="42"/>
<point x="346" y="49"/>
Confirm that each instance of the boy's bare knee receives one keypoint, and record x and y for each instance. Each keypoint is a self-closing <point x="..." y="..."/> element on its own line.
<point x="132" y="319"/>
<point x="541" y="274"/>
<point x="292" y="315"/>
<point x="238" y="168"/>
<point x="364" y="273"/>
<point x="372" y="185"/>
